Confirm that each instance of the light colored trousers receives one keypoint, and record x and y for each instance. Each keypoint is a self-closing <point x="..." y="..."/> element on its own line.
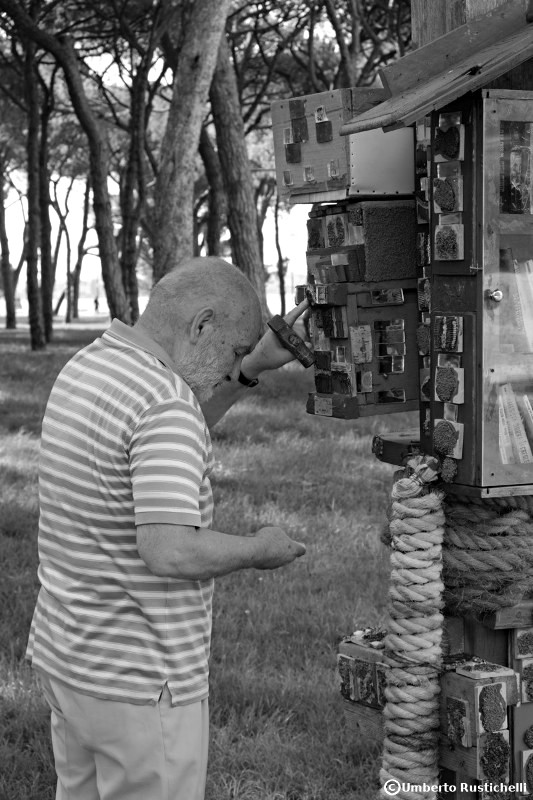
<point x="106" y="750"/>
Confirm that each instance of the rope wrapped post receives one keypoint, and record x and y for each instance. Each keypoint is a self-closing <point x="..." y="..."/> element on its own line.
<point x="410" y="765"/>
<point x="488" y="553"/>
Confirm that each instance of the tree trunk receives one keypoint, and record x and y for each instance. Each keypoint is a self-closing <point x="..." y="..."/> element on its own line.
<point x="218" y="206"/>
<point x="68" y="273"/>
<point x="63" y="51"/>
<point x="68" y="294"/>
<point x="81" y="252"/>
<point x="132" y="194"/>
<point x="22" y="260"/>
<point x="282" y="267"/>
<point x="174" y="192"/>
<point x="263" y="197"/>
<point x="47" y="272"/>
<point x="99" y="171"/>
<point x="242" y="214"/>
<point x="37" y="337"/>
<point x="5" y="262"/>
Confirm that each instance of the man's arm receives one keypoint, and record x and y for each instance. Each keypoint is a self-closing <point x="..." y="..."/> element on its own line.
<point x="268" y="354"/>
<point x="181" y="551"/>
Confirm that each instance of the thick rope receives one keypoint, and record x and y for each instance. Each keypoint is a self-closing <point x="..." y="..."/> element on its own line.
<point x="413" y="642"/>
<point x="488" y="553"/>
<point x="484" y="550"/>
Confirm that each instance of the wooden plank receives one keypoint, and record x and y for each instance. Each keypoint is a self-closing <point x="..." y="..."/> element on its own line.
<point x="463" y="760"/>
<point x="475" y="71"/>
<point x="489" y="645"/>
<point x="314" y="154"/>
<point x="488" y="491"/>
<point x="429" y="23"/>
<point x="364" y="719"/>
<point x="318" y="197"/>
<point x="519" y="616"/>
<point x="439" y="54"/>
<point x="521" y="721"/>
<point x="476" y="8"/>
<point x="453" y="636"/>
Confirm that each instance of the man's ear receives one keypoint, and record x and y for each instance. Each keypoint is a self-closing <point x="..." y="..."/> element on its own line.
<point x="200" y="319"/>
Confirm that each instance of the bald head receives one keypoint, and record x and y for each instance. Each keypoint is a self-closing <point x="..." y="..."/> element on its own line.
<point x="198" y="283"/>
<point x="206" y="315"/>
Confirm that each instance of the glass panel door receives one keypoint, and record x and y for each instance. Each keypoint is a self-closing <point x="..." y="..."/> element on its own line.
<point x="507" y="447"/>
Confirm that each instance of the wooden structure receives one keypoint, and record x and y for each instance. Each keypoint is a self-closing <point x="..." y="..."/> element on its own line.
<point x="472" y="110"/>
<point x="455" y="336"/>
<point x="315" y="164"/>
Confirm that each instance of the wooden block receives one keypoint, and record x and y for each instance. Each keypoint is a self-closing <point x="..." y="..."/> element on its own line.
<point x="361" y="650"/>
<point x="523" y="643"/>
<point x="369" y="671"/>
<point x="338" y="406"/>
<point x="299" y="294"/>
<point x="363" y="719"/>
<point x="479" y="670"/>
<point x="521" y="725"/>
<point x="525" y="669"/>
<point x="448" y="438"/>
<point x="293" y="153"/>
<point x="491" y="707"/>
<point x="457" y="715"/>
<point x="487" y="710"/>
<point x="494" y="756"/>
<point x="333" y="294"/>
<point x="346" y="672"/>
<point x="313" y="122"/>
<point x="487" y="760"/>
<point x="394" y="448"/>
<point x="526" y="772"/>
<point x="366" y="690"/>
<point x="517" y="616"/>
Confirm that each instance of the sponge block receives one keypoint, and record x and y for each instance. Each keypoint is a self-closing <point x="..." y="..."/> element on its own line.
<point x="390" y="239"/>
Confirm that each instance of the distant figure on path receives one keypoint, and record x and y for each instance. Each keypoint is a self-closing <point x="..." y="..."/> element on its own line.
<point x="96" y="304"/>
<point x="121" y="632"/>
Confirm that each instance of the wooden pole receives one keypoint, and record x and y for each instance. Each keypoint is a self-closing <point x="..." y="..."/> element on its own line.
<point x="437" y="17"/>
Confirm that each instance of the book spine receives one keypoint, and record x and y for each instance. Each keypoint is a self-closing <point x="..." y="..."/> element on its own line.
<point x="519" y="440"/>
<point x="524" y="298"/>
<point x="526" y="412"/>
<point x="506" y="448"/>
<point x="513" y="327"/>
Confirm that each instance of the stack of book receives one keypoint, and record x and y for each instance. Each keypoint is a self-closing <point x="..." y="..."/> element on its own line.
<point x="515" y="426"/>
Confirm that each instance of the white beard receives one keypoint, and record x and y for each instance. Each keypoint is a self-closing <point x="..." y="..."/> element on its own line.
<point x="203" y="373"/>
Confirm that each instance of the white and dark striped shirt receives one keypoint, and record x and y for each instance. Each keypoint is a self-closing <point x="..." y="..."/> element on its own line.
<point x="124" y="442"/>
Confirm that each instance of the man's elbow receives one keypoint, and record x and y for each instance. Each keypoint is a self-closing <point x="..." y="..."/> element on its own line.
<point x="169" y="551"/>
<point x="159" y="567"/>
<point x="176" y="567"/>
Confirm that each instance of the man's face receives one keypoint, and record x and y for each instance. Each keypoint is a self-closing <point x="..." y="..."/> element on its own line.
<point x="218" y="354"/>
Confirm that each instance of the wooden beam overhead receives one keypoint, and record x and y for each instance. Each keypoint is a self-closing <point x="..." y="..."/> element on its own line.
<point x="462" y="61"/>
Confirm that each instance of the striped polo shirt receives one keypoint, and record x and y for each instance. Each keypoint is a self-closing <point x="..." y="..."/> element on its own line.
<point x="124" y="442"/>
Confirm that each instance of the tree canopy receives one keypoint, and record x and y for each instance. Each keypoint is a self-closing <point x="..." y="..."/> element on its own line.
<point x="160" y="109"/>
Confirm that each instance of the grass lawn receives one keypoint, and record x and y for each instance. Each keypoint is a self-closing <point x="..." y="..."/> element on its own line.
<point x="277" y="726"/>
